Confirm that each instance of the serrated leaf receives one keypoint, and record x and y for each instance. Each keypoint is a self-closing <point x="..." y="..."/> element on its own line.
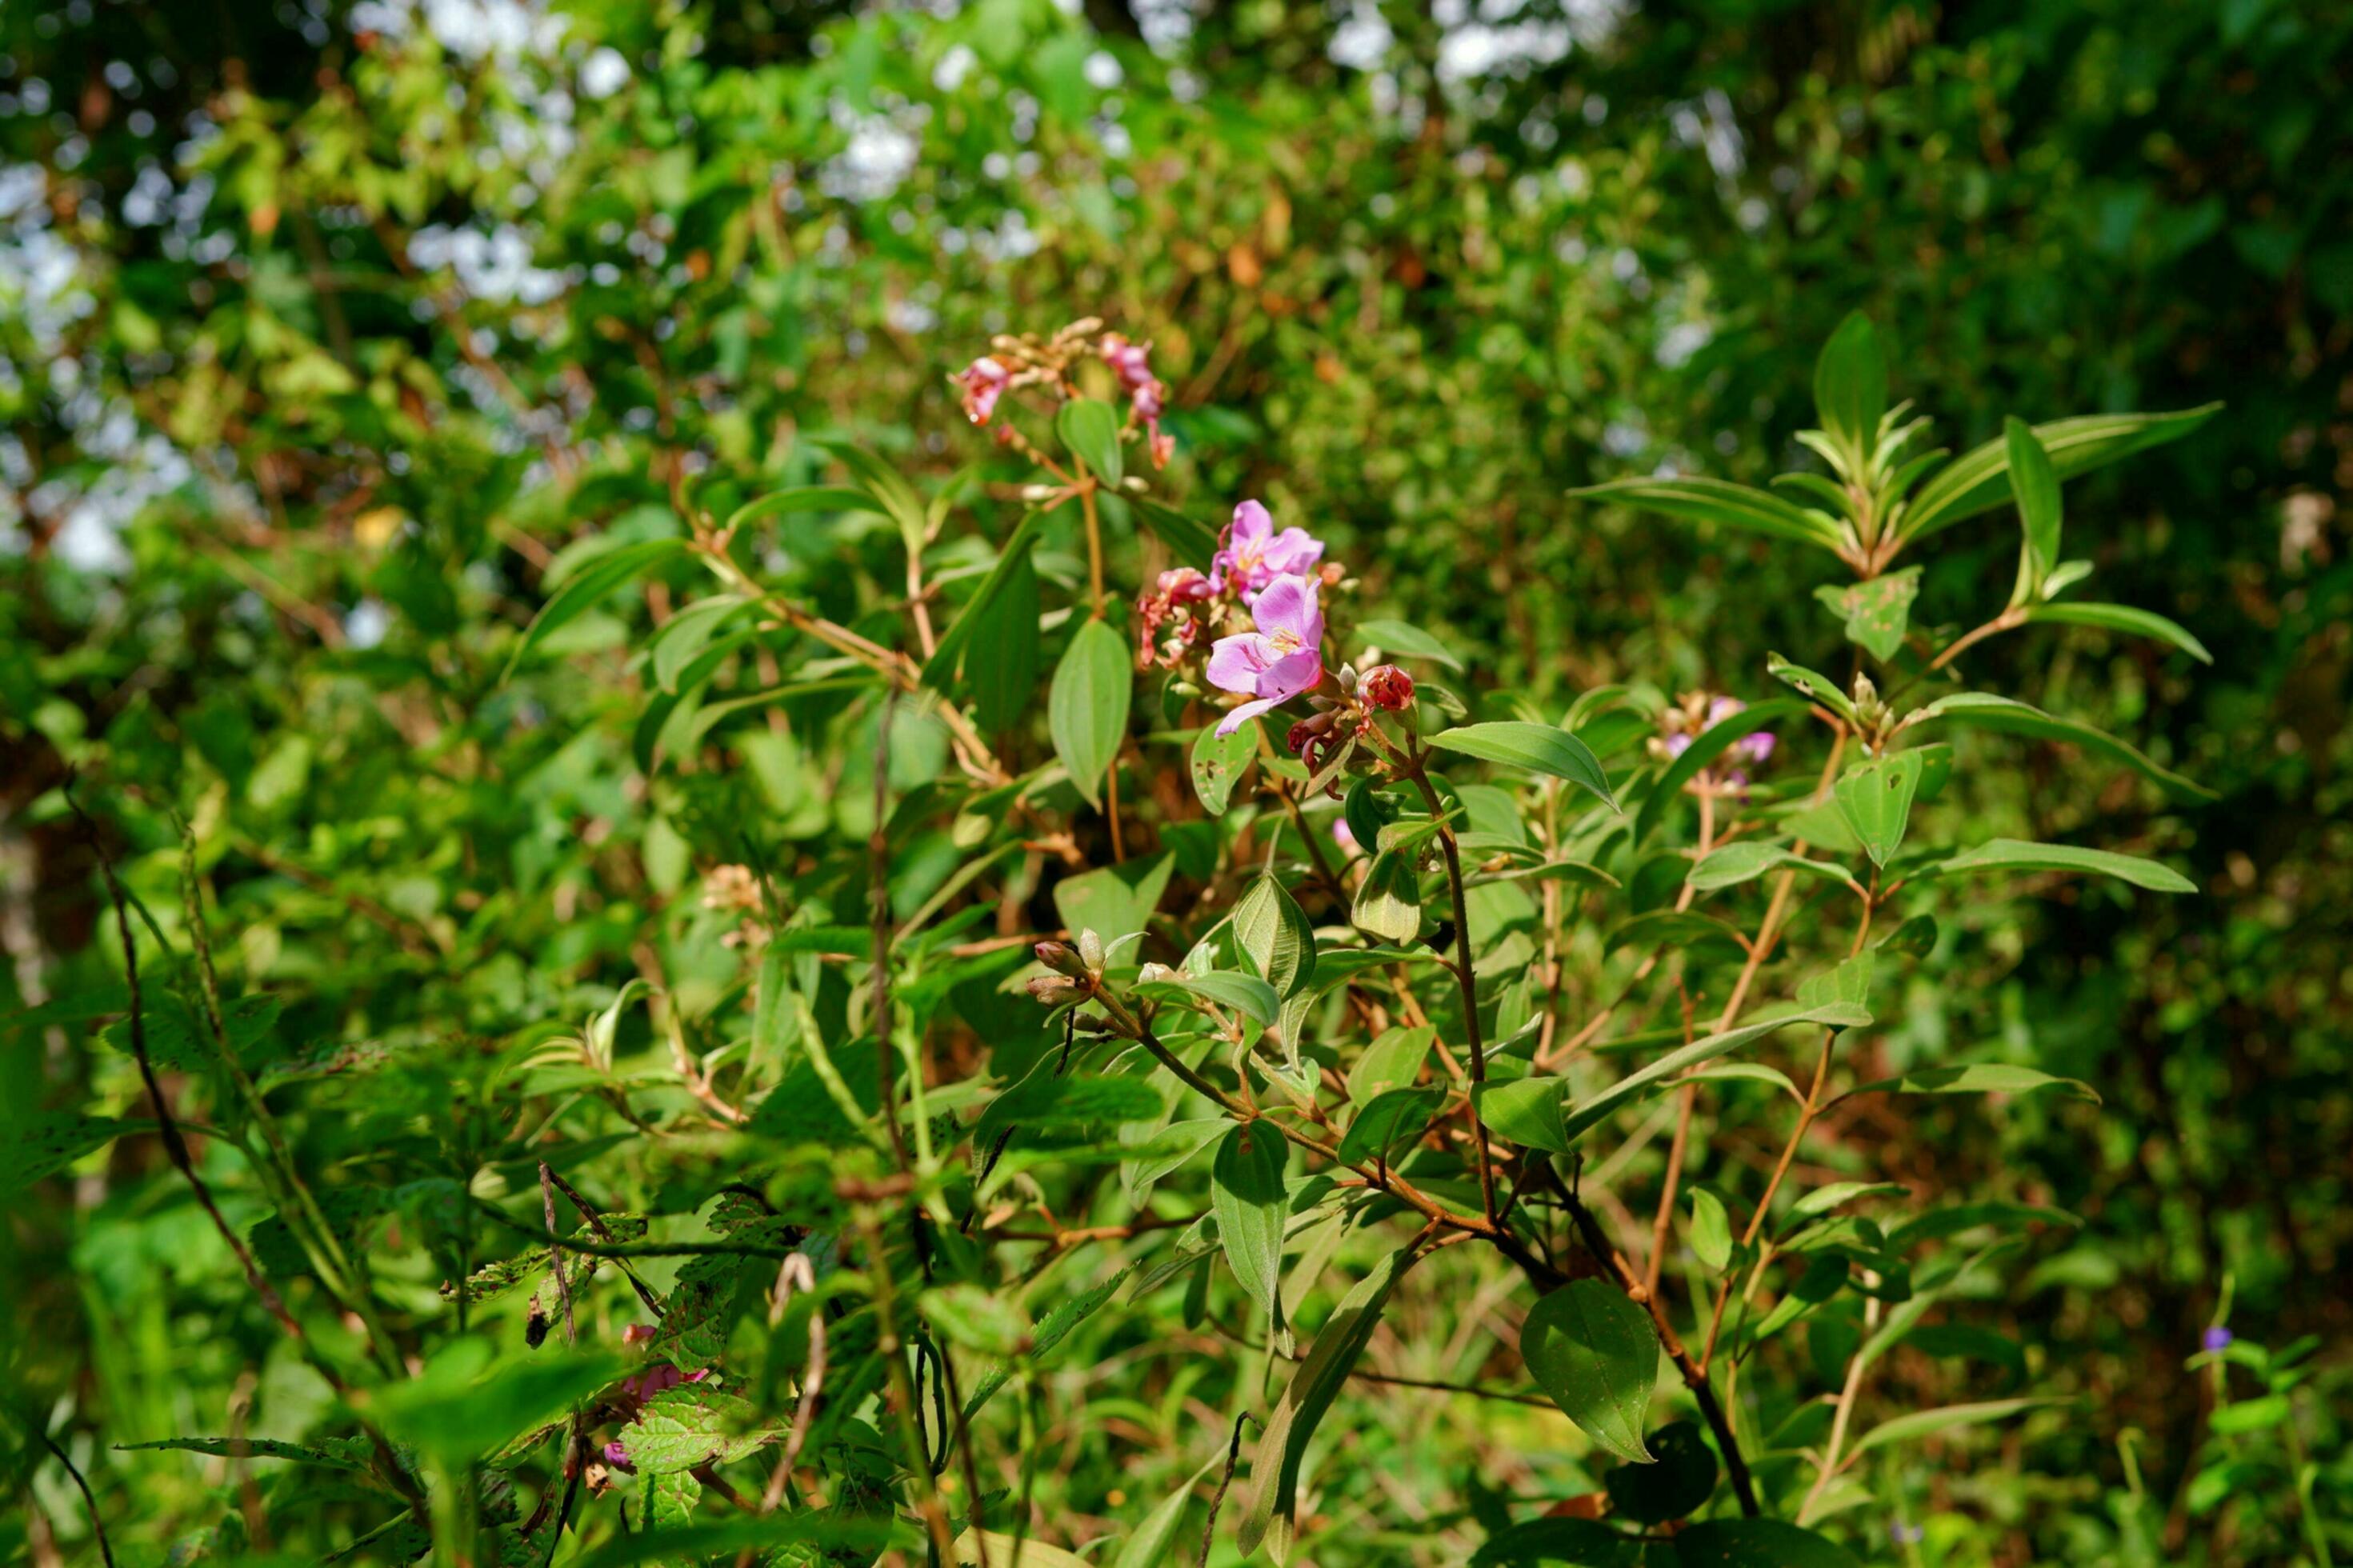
<point x="1596" y="1354"/>
<point x="1538" y="748"/>
<point x="1087" y="709"/>
<point x="691" y="1424"/>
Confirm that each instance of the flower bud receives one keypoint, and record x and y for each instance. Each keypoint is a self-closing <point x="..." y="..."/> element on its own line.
<point x="1090" y="951"/>
<point x="1058" y="957"/>
<point x="1387" y="687"/>
<point x="1052" y="990"/>
<point x="1348" y="677"/>
<point x="1153" y="973"/>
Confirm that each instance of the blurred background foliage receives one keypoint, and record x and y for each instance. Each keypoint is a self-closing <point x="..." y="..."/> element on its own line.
<point x="324" y="328"/>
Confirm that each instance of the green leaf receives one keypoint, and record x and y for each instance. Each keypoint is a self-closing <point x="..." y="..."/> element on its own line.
<point x="2015" y="855"/>
<point x="686" y="634"/>
<point x="864" y="1534"/>
<point x="2005" y="715"/>
<point x="1931" y="1423"/>
<point x="1975" y="1078"/>
<point x="884" y="481"/>
<point x="939" y="669"/>
<point x="1979" y="480"/>
<point x="976" y="1318"/>
<point x="1247" y="1195"/>
<point x="1154" y="1540"/>
<point x="1218" y="764"/>
<point x="1747" y="860"/>
<point x="1090" y="429"/>
<point x="1584" y="1543"/>
<point x="1875" y="802"/>
<point x="2121" y="618"/>
<point x="1758" y="1543"/>
<point x="1721" y="501"/>
<point x="1389" y="899"/>
<point x="1192" y="543"/>
<point x="806" y="497"/>
<point x="1394" y="1060"/>
<point x="1273" y="934"/>
<point x="1674" y="1488"/>
<point x="776" y="1018"/>
<point x="1596" y="1354"/>
<point x="1875" y="612"/>
<point x="1812" y="684"/>
<point x="1400" y="639"/>
<point x="1113" y="901"/>
<point x="1003" y="680"/>
<point x="1711" y="1230"/>
<point x="1389" y="1119"/>
<point x="2036" y="484"/>
<point x="1052" y="1329"/>
<point x="1705" y="747"/>
<point x="1850" y="388"/>
<point x="1836" y="1015"/>
<point x="692" y="1424"/>
<point x="995" y="1549"/>
<point x="1087" y="709"/>
<point x="1525" y="1110"/>
<point x="1173" y="1147"/>
<point x="1274" y="1464"/>
<point x="1539" y="747"/>
<point x="590" y="587"/>
<point x="1245" y="993"/>
<point x="459" y="1412"/>
<point x="335" y="1453"/>
<point x="45" y="1142"/>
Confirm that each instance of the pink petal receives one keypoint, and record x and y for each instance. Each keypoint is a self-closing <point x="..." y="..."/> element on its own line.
<point x="1251" y="521"/>
<point x="1293" y="549"/>
<point x="1291" y="675"/>
<point x="1237" y="662"/>
<point x="1242" y="715"/>
<point x="1288" y="605"/>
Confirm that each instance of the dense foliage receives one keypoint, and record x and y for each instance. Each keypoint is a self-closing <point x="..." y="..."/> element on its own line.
<point x="640" y="893"/>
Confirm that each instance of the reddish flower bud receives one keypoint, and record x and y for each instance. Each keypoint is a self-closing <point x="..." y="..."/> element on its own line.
<point x="1386" y="687"/>
<point x="1059" y="958"/>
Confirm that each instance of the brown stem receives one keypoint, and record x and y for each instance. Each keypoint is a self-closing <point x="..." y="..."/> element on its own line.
<point x="878" y="894"/>
<point x="1598" y="1242"/>
<point x="1467" y="978"/>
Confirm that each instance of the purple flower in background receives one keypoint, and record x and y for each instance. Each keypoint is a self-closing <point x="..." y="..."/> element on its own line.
<point x="1904" y="1534"/>
<point x="1254" y="555"/>
<point x="2216" y="1338"/>
<point x="618" y="1457"/>
<point x="1277" y="662"/>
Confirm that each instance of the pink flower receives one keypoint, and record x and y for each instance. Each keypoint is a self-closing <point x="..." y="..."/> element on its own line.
<point x="1164" y="605"/>
<point x="1127" y="362"/>
<point x="1254" y="555"/>
<point x="1280" y="659"/>
<point x="984" y="382"/>
<point x="1345" y="836"/>
<point x="617" y="1455"/>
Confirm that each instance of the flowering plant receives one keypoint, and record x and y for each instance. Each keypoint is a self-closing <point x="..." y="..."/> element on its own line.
<point x="1278" y="977"/>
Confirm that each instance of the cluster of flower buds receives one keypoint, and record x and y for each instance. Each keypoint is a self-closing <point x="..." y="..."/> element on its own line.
<point x="1327" y="735"/>
<point x="1076" y="970"/>
<point x="1694" y="714"/>
<point x="735" y="890"/>
<point x="1030" y="360"/>
<point x="1173" y="618"/>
